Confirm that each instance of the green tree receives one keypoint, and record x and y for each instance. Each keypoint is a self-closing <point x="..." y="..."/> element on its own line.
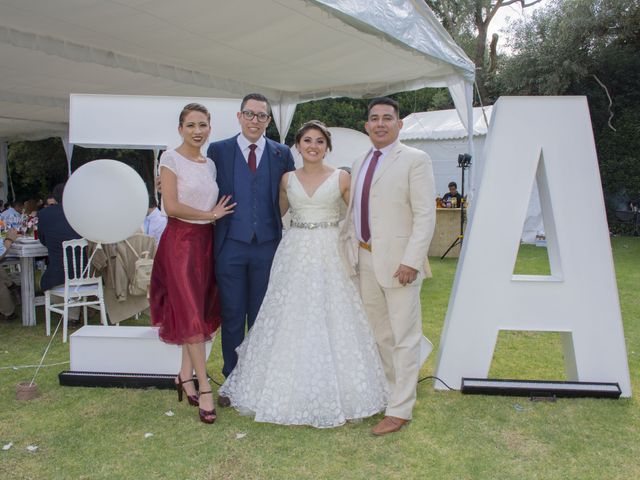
<point x="467" y="21"/>
<point x="590" y="48"/>
<point x="35" y="167"/>
<point x="352" y="113"/>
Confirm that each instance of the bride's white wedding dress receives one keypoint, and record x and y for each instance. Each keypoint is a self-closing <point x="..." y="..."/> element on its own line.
<point x="310" y="358"/>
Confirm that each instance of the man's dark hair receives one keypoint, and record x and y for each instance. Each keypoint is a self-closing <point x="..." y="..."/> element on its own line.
<point x="257" y="97"/>
<point x="453" y="184"/>
<point x="384" y="101"/>
<point x="58" y="190"/>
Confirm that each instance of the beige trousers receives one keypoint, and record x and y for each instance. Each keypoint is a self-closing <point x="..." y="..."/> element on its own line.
<point x="396" y="319"/>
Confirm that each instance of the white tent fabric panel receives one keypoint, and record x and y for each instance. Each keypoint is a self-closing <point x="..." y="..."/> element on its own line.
<point x="142" y="121"/>
<point x="443" y="124"/>
<point x="443" y="136"/>
<point x="411" y="23"/>
<point x="4" y="188"/>
<point x="290" y="50"/>
<point x="534" y="223"/>
<point x="444" y="156"/>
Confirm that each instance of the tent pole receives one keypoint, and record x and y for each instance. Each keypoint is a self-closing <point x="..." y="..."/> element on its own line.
<point x="68" y="150"/>
<point x="4" y="166"/>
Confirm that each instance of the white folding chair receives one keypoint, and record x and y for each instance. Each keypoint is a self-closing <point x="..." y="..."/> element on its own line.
<point x="79" y="285"/>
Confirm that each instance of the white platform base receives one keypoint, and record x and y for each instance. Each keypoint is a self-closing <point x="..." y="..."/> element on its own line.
<point x="124" y="350"/>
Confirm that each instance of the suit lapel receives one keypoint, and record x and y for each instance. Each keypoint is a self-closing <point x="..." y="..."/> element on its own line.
<point x="386" y="164"/>
<point x="272" y="156"/>
<point x="230" y="156"/>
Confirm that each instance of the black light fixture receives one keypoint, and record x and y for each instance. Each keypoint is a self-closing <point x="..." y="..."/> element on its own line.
<point x="118" y="380"/>
<point x="539" y="388"/>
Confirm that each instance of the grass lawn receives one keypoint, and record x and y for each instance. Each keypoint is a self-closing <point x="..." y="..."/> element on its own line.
<point x="100" y="433"/>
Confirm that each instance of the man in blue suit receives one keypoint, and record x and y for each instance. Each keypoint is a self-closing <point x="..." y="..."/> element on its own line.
<point x="249" y="168"/>
<point x="53" y="229"/>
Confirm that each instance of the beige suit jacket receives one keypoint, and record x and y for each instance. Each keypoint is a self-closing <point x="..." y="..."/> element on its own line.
<point x="402" y="211"/>
<point x="116" y="263"/>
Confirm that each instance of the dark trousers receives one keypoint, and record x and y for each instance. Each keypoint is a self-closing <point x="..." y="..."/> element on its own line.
<point x="242" y="273"/>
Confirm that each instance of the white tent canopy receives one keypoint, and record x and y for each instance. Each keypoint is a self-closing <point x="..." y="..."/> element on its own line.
<point x="291" y="50"/>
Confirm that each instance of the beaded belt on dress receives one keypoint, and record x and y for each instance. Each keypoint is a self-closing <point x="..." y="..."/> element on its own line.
<point x="312" y="225"/>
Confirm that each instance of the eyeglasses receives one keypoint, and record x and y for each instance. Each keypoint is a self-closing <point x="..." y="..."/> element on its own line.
<point x="262" y="117"/>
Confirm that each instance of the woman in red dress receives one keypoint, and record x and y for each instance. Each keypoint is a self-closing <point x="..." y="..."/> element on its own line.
<point x="183" y="294"/>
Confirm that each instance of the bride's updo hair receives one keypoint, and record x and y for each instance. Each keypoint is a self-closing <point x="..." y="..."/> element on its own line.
<point x="314" y="125"/>
<point x="194" y="107"/>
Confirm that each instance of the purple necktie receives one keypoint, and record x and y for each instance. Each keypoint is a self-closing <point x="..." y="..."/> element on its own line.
<point x="364" y="202"/>
<point x="252" y="157"/>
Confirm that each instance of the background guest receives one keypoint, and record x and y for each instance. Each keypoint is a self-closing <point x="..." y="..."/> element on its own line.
<point x="12" y="216"/>
<point x="30" y="207"/>
<point x="155" y="222"/>
<point x="53" y="229"/>
<point x="50" y="200"/>
<point x="452" y="198"/>
<point x="7" y="304"/>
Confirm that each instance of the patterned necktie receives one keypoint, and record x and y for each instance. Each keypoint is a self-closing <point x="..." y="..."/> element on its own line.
<point x="252" y="157"/>
<point x="364" y="201"/>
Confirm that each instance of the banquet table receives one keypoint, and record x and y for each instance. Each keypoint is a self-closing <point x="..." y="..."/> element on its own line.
<point x="26" y="250"/>
<point x="446" y="231"/>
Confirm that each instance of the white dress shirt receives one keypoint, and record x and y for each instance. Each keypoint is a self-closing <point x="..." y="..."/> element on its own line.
<point x="357" y="196"/>
<point x="244" y="143"/>
<point x="154" y="224"/>
<point x="11" y="217"/>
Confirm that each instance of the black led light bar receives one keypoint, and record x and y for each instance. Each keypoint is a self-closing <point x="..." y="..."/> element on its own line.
<point x="539" y="388"/>
<point x="118" y="380"/>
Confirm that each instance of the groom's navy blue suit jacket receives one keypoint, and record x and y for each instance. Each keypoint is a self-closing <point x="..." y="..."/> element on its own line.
<point x="223" y="154"/>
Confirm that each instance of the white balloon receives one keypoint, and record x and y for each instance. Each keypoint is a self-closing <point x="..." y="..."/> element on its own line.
<point x="105" y="201"/>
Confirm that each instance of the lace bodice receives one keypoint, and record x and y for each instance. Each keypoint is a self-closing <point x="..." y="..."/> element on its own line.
<point x="197" y="185"/>
<point x="322" y="206"/>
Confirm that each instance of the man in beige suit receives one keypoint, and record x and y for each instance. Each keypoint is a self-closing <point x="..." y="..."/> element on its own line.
<point x="385" y="238"/>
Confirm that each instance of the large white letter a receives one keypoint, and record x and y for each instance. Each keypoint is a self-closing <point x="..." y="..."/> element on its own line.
<point x="548" y="138"/>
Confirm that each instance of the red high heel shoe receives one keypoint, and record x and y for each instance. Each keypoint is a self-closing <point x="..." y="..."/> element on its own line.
<point x="192" y="399"/>
<point x="207" y="416"/>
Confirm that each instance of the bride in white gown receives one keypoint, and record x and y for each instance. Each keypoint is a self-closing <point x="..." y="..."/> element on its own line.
<point x="310" y="358"/>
